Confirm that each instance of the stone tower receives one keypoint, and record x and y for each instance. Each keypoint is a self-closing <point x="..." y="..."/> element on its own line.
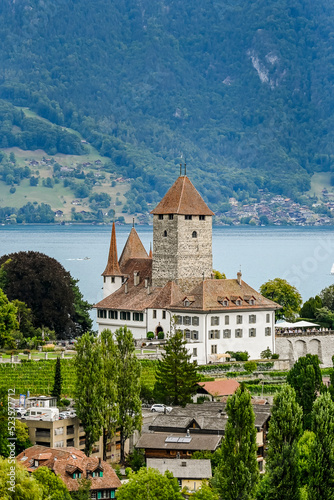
<point x="182" y="237"/>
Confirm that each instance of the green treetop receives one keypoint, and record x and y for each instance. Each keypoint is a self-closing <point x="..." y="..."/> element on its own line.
<point x="25" y="486"/>
<point x="8" y="321"/>
<point x="238" y="474"/>
<point x="286" y="295"/>
<point x="53" y="486"/>
<point x="176" y="375"/>
<point x="149" y="484"/>
<point x="306" y="379"/>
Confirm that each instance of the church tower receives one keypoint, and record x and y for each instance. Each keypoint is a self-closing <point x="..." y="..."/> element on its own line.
<point x="182" y="237"/>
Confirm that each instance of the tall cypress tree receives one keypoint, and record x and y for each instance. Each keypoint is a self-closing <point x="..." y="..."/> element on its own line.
<point x="321" y="481"/>
<point x="285" y="429"/>
<point x="109" y="380"/>
<point x="56" y="391"/>
<point x="306" y="379"/>
<point x="128" y="386"/>
<point x="89" y="389"/>
<point x="176" y="376"/>
<point x="237" y="476"/>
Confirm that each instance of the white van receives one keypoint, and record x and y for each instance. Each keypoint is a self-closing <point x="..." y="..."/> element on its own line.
<point x="35" y="413"/>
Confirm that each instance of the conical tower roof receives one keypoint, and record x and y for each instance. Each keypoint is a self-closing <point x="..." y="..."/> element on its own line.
<point x="112" y="268"/>
<point x="182" y="198"/>
<point x="133" y="249"/>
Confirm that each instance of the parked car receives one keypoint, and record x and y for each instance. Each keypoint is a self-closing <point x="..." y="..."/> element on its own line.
<point x="161" y="408"/>
<point x="20" y="411"/>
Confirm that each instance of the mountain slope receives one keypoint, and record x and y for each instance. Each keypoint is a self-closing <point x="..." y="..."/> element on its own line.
<point x="242" y="88"/>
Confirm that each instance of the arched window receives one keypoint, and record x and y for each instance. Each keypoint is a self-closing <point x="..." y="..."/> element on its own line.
<point x="165" y="234"/>
<point x="194" y="235"/>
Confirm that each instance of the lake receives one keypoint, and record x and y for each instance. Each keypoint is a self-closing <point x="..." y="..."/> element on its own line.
<point x="303" y="256"/>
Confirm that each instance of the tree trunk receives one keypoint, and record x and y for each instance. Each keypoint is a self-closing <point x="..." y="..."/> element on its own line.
<point x="122" y="446"/>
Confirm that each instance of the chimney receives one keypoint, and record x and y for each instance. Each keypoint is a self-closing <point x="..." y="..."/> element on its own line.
<point x="188" y="433"/>
<point x="99" y="461"/>
<point x="239" y="277"/>
<point x="126" y="287"/>
<point x="135" y="278"/>
<point x="148" y="289"/>
<point x="146" y="282"/>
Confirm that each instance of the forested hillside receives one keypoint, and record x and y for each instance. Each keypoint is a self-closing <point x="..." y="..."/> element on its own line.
<point x="243" y="89"/>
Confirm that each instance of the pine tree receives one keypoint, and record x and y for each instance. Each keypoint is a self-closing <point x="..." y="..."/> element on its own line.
<point x="238" y="474"/>
<point x="89" y="390"/>
<point x="109" y="380"/>
<point x="306" y="379"/>
<point x="176" y="376"/>
<point x="321" y="481"/>
<point x="285" y="429"/>
<point x="56" y="391"/>
<point x="128" y="386"/>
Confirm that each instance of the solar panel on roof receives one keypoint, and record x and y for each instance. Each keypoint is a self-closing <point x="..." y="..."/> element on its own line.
<point x="171" y="439"/>
<point x="185" y="440"/>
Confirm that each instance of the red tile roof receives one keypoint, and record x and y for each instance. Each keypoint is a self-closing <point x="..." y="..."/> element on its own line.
<point x="133" y="249"/>
<point x="112" y="268"/>
<point x="65" y="461"/>
<point x="182" y="198"/>
<point x="220" y="387"/>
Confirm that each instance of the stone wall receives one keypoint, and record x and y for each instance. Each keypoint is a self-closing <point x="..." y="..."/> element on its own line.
<point x="293" y="346"/>
<point x="179" y="255"/>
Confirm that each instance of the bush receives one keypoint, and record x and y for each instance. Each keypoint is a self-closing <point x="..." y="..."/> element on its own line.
<point x="250" y="366"/>
<point x="239" y="355"/>
<point x="65" y="402"/>
<point x="161" y="335"/>
<point x="48" y="348"/>
<point x="150" y="335"/>
<point x="26" y="351"/>
<point x="275" y="356"/>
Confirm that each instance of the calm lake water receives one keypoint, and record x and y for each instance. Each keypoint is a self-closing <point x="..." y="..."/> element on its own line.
<point x="303" y="256"/>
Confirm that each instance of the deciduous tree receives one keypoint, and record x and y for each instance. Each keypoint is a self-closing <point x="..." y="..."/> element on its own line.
<point x="24" y="486"/>
<point x="176" y="375"/>
<point x="280" y="291"/>
<point x="49" y="291"/>
<point x="238" y="474"/>
<point x="306" y="379"/>
<point x="8" y="321"/>
<point x="53" y="486"/>
<point x="285" y="429"/>
<point x="128" y="386"/>
<point x="149" y="484"/>
<point x="89" y="390"/>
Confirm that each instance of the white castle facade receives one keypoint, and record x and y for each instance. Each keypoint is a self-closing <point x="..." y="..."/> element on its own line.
<point x="175" y="284"/>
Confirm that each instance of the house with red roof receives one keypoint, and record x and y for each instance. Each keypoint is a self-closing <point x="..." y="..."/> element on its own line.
<point x="174" y="286"/>
<point x="216" y="390"/>
<point x="71" y="465"/>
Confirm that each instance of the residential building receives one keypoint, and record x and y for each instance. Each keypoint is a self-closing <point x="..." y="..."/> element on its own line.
<point x="175" y="284"/>
<point x="189" y="473"/>
<point x="216" y="389"/>
<point x="71" y="465"/>
<point x="197" y="427"/>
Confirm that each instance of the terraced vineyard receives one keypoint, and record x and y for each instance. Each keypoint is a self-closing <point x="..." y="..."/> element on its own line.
<point x="37" y="376"/>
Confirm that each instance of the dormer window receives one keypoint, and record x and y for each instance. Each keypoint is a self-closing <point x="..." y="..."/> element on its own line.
<point x="225" y="303"/>
<point x="186" y="303"/>
<point x="251" y="302"/>
<point x="36" y="463"/>
<point x="238" y="302"/>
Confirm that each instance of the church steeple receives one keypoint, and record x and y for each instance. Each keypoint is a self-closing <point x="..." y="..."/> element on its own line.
<point x="112" y="268"/>
<point x="112" y="276"/>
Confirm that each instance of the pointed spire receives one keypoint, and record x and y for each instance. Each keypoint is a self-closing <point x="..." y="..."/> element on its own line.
<point x="151" y="253"/>
<point x="133" y="249"/>
<point x="112" y="268"/>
